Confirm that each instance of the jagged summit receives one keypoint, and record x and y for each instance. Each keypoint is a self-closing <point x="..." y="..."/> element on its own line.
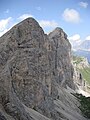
<point x="24" y="27"/>
<point x="23" y="34"/>
<point x="30" y="21"/>
<point x="57" y="29"/>
<point x="59" y="32"/>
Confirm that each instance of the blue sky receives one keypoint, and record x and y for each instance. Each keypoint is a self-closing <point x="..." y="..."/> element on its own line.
<point x="72" y="16"/>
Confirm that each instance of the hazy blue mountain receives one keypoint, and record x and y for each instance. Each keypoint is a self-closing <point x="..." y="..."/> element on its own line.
<point x="82" y="49"/>
<point x="83" y="53"/>
<point x="85" y="45"/>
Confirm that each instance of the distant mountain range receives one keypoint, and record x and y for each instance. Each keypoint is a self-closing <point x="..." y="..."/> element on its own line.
<point x="85" y="45"/>
<point x="83" y="49"/>
<point x="83" y="53"/>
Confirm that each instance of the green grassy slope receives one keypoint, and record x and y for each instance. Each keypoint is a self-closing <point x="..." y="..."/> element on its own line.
<point x="77" y="60"/>
<point x="86" y="74"/>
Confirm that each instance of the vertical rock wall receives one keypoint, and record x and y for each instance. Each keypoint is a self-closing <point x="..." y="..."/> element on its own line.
<point x="62" y="68"/>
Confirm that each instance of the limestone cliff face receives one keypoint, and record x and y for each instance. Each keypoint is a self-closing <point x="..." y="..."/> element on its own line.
<point x="61" y="58"/>
<point x="24" y="67"/>
<point x="32" y="65"/>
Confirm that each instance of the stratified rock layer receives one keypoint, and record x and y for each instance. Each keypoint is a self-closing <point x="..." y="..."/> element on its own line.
<point x="33" y="69"/>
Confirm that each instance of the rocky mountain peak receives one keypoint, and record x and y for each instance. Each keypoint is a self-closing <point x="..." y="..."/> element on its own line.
<point x="29" y="20"/>
<point x="58" y="32"/>
<point x="61" y="50"/>
<point x="35" y="68"/>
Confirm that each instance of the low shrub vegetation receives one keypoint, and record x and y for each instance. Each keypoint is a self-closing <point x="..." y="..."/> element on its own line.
<point x="85" y="104"/>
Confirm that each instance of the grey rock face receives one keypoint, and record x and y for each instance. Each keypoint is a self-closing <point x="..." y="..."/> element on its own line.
<point x="31" y="66"/>
<point x="61" y="58"/>
<point x="24" y="65"/>
<point x="2" y="117"/>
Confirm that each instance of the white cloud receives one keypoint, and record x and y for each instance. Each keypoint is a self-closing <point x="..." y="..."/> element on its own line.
<point x="47" y="23"/>
<point x="88" y="38"/>
<point x="75" y="37"/>
<point x="83" y="4"/>
<point x="71" y="15"/>
<point x="75" y="41"/>
<point x="24" y="16"/>
<point x="4" y="25"/>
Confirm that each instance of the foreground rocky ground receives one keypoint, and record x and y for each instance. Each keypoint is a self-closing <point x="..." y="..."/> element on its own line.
<point x="35" y="72"/>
